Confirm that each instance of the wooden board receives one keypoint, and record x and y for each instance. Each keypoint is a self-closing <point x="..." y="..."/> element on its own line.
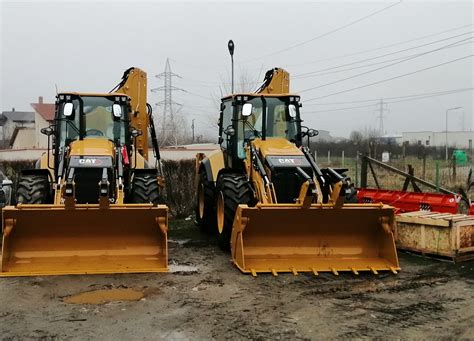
<point x="436" y="234"/>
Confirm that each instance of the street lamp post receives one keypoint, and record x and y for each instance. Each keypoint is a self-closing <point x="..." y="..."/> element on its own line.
<point x="456" y="108"/>
<point x="230" y="46"/>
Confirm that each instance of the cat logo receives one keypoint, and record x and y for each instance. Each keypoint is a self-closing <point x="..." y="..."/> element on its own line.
<point x="90" y="162"/>
<point x="287" y="161"/>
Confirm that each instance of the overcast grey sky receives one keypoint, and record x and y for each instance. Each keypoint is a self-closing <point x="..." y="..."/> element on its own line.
<point x="86" y="46"/>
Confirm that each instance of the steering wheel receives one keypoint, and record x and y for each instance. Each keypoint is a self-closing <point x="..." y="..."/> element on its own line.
<point x="94" y="132"/>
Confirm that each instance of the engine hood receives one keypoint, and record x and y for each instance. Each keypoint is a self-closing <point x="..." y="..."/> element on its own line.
<point x="274" y="146"/>
<point x="92" y="147"/>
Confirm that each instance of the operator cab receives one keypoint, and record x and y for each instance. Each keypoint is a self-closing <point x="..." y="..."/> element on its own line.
<point x="91" y="134"/>
<point x="245" y="117"/>
<point x="83" y="116"/>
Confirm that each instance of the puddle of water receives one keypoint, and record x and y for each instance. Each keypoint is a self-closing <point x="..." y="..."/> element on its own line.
<point x="179" y="241"/>
<point x="182" y="268"/>
<point x="104" y="296"/>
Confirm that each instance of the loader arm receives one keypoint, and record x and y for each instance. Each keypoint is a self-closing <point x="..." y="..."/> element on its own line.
<point x="264" y="188"/>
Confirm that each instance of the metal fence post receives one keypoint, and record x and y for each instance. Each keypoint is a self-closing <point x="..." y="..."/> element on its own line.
<point x="437" y="176"/>
<point x="357" y="170"/>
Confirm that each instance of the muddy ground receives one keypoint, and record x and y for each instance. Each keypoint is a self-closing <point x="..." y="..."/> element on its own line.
<point x="428" y="299"/>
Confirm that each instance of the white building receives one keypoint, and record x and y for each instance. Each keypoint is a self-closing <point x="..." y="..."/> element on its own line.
<point x="44" y="117"/>
<point x="456" y="139"/>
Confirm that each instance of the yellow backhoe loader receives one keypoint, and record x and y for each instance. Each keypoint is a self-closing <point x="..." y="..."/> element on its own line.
<point x="273" y="206"/>
<point x="92" y="204"/>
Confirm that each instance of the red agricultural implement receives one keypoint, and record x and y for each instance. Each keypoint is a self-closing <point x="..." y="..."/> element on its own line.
<point x="411" y="201"/>
<point x="445" y="201"/>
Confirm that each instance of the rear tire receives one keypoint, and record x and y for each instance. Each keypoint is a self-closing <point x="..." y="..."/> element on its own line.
<point x="145" y="189"/>
<point x="33" y="189"/>
<point x="205" y="204"/>
<point x="232" y="190"/>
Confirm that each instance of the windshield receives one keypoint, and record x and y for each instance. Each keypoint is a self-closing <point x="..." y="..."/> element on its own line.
<point x="97" y="120"/>
<point x="278" y="121"/>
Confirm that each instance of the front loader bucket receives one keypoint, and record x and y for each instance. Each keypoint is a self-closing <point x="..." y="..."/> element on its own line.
<point x="321" y="238"/>
<point x="86" y="239"/>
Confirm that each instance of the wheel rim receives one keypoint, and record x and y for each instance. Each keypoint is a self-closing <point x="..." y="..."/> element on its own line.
<point x="201" y="201"/>
<point x="220" y="212"/>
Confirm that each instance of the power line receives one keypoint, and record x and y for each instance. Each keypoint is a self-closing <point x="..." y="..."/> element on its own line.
<point x="301" y="75"/>
<point x="197" y="95"/>
<point x="387" y="102"/>
<point x="326" y="33"/>
<point x="371" y="64"/>
<point x="422" y="95"/>
<point x="389" y="79"/>
<point x="381" y="47"/>
<point x="383" y="67"/>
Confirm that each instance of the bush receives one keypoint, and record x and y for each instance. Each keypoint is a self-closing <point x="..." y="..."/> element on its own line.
<point x="179" y="187"/>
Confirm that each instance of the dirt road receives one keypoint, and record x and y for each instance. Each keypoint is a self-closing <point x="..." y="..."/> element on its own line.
<point x="206" y="297"/>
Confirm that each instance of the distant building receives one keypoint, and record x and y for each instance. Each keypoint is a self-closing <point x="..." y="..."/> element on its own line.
<point x="390" y="139"/>
<point x="44" y="117"/>
<point x="10" y="120"/>
<point x="456" y="139"/>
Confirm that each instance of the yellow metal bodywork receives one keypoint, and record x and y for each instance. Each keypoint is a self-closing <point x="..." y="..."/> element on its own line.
<point x="53" y="240"/>
<point x="278" y="238"/>
<point x="216" y="162"/>
<point x="136" y="88"/>
<point x="69" y="238"/>
<point x="305" y="236"/>
<point x="92" y="147"/>
<point x="279" y="84"/>
<point x="309" y="236"/>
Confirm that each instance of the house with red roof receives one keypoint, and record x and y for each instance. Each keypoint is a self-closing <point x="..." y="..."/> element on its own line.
<point x="44" y="117"/>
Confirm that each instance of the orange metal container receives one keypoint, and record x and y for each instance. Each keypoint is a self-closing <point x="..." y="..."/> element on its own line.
<point x="53" y="240"/>
<point x="290" y="238"/>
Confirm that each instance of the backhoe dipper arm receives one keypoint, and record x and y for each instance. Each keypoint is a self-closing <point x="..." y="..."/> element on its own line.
<point x="277" y="81"/>
<point x="134" y="85"/>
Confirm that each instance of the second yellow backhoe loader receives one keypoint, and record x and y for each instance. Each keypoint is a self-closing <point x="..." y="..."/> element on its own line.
<point x="273" y="206"/>
<point x="92" y="203"/>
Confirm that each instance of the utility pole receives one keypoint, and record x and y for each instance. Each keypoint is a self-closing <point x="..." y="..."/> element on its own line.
<point x="192" y="127"/>
<point x="168" y="130"/>
<point x="381" y="108"/>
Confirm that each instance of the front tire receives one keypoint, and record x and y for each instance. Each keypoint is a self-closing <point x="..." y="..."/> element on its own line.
<point x="33" y="189"/>
<point x="232" y="190"/>
<point x="145" y="189"/>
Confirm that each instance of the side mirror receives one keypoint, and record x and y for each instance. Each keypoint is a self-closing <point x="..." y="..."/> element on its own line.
<point x="48" y="131"/>
<point x="117" y="110"/>
<point x="313" y="132"/>
<point x="229" y="131"/>
<point x="292" y="110"/>
<point x="136" y="132"/>
<point x="247" y="109"/>
<point x="68" y="109"/>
